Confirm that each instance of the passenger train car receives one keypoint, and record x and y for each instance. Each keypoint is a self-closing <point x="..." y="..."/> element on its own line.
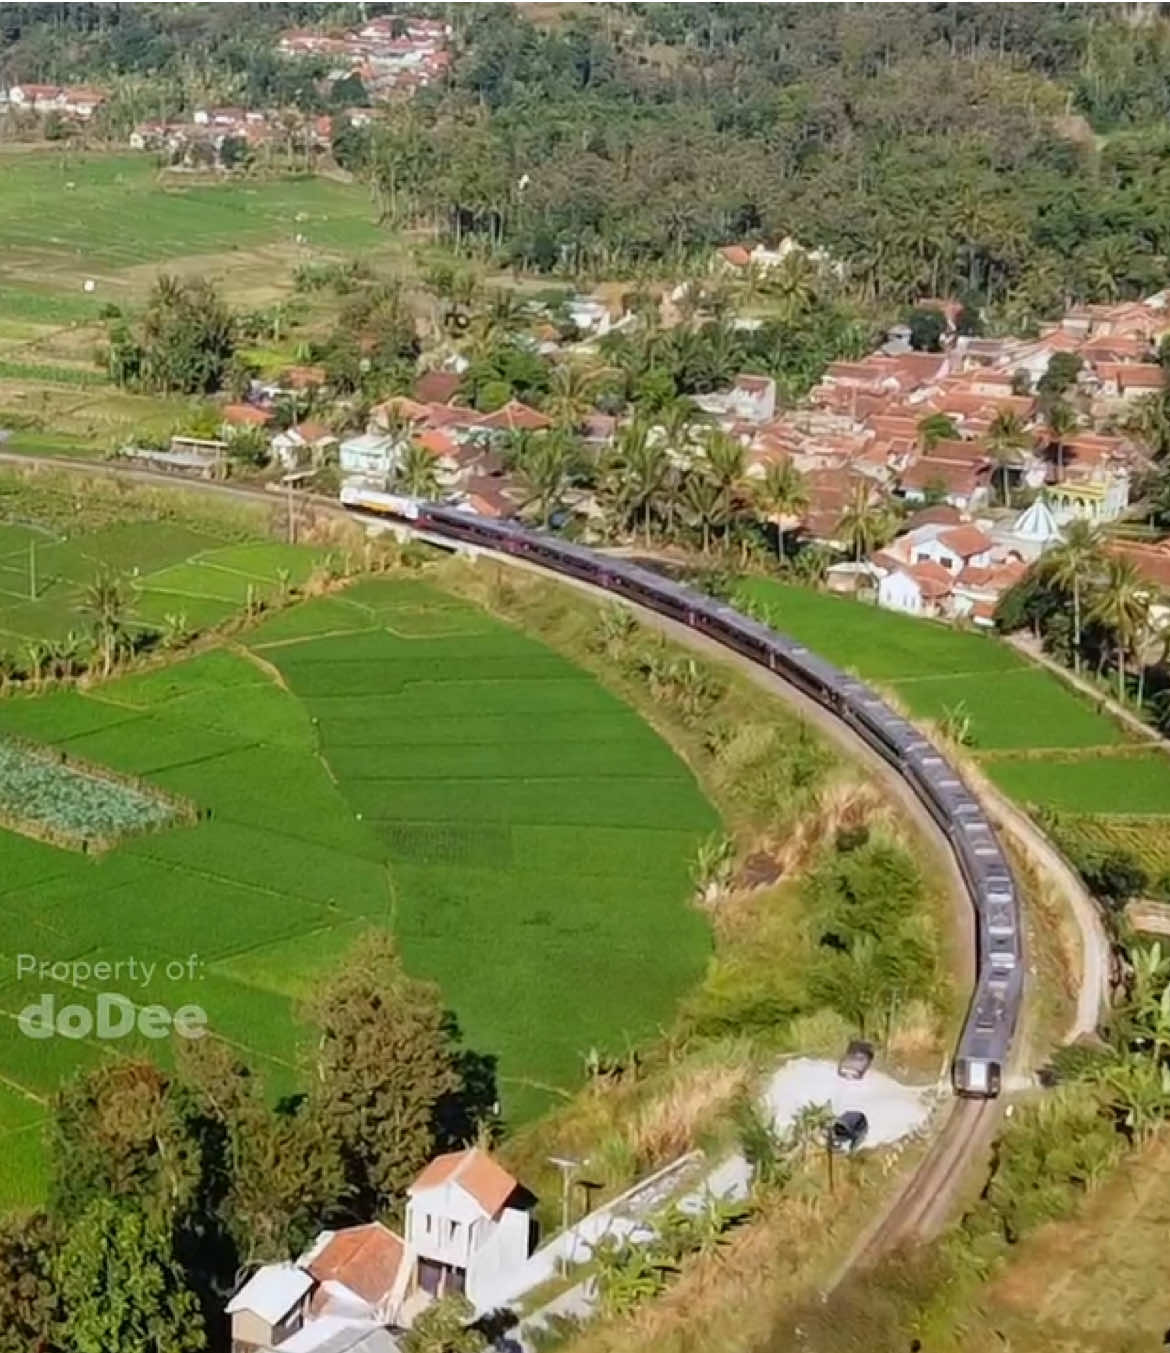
<point x="986" y="1039"/>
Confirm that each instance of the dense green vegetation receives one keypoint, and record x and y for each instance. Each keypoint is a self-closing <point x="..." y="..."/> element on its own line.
<point x="933" y="149"/>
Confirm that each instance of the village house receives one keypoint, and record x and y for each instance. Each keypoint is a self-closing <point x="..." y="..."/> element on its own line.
<point x="751" y="398"/>
<point x="371" y="456"/>
<point x="469" y="1222"/>
<point x="736" y="257"/>
<point x="75" y="101"/>
<point x="468" y="1228"/>
<point x="271" y="1306"/>
<point x="306" y="443"/>
<point x="392" y="55"/>
<point x="963" y="482"/>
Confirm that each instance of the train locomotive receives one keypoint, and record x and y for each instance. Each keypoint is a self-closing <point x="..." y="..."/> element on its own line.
<point x="985" y="1042"/>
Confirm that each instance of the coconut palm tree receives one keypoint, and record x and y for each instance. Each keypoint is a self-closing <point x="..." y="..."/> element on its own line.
<point x="1150" y="421"/>
<point x="105" y="604"/>
<point x="1006" y="438"/>
<point x="1060" y="420"/>
<point x="545" y="471"/>
<point x="417" y="473"/>
<point x="570" y="396"/>
<point x="1072" y="566"/>
<point x="725" y="461"/>
<point x="783" y="493"/>
<point x="643" y="469"/>
<point x="701" y="497"/>
<point x="1123" y="607"/>
<point x="864" y="524"/>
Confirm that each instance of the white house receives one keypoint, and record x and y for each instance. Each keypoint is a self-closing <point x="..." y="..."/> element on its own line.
<point x="305" y="443"/>
<point x="953" y="548"/>
<point x="370" y="456"/>
<point x="916" y="589"/>
<point x="589" y="315"/>
<point x="270" y="1307"/>
<point x="468" y="1222"/>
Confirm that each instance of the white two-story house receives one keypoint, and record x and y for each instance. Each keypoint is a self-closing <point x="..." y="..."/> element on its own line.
<point x="468" y="1222"/>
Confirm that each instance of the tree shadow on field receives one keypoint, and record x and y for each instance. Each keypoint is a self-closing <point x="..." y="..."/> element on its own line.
<point x="473" y="1109"/>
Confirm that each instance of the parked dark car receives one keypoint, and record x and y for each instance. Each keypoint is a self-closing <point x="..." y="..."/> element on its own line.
<point x="857" y="1059"/>
<point x="849" y="1130"/>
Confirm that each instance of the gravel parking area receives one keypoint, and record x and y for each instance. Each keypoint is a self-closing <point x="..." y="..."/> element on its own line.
<point x="894" y="1110"/>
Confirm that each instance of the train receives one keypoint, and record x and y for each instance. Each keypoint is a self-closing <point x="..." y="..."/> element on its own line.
<point x="984" y="1045"/>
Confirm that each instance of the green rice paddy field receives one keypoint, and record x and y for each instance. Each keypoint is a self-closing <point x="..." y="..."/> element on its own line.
<point x="390" y="755"/>
<point x="170" y="570"/>
<point x="77" y="206"/>
<point x="63" y="226"/>
<point x="1037" y="739"/>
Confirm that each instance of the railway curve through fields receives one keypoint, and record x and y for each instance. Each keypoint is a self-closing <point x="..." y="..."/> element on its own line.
<point x="923" y="1202"/>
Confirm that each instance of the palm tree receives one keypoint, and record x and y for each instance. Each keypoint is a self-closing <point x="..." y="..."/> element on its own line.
<point x="570" y="397"/>
<point x="417" y="473"/>
<point x="1123" y="607"/>
<point x="1150" y="421"/>
<point x="783" y="493"/>
<point x="1060" y="421"/>
<point x="863" y="524"/>
<point x="1006" y="437"/>
<point x="105" y="604"/>
<point x="701" y="497"/>
<point x="643" y="471"/>
<point x="1072" y="565"/>
<point x="504" y="314"/>
<point x="726" y="462"/>
<point x="545" y="472"/>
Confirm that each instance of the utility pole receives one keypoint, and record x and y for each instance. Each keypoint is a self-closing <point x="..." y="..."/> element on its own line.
<point x="292" y="526"/>
<point x="566" y="1165"/>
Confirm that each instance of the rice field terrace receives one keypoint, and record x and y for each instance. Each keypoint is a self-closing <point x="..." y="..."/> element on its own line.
<point x="73" y="206"/>
<point x="1037" y="739"/>
<point x="65" y="253"/>
<point x="171" y="570"/>
<point x="390" y="755"/>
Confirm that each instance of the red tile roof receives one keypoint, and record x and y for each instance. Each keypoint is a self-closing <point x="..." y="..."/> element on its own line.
<point x="437" y="442"/>
<point x="246" y="415"/>
<point x="437" y="387"/>
<point x="933" y="580"/>
<point x="1133" y="375"/>
<point x="956" y="478"/>
<point x="736" y="255"/>
<point x="516" y="416"/>
<point x="475" y="1172"/>
<point x="364" y="1258"/>
<point x="965" y="541"/>
<point x="1151" y="561"/>
<point x="942" y="515"/>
